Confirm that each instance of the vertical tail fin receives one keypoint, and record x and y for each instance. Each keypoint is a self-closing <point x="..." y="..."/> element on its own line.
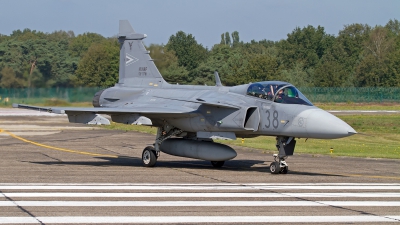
<point x="136" y="68"/>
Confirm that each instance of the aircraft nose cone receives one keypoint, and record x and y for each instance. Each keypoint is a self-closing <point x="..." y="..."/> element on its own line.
<point x="321" y="124"/>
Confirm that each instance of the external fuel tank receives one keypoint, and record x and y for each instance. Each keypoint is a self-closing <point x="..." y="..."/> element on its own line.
<point x="206" y="150"/>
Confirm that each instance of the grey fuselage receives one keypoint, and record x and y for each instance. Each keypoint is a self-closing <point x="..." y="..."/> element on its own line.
<point x="244" y="115"/>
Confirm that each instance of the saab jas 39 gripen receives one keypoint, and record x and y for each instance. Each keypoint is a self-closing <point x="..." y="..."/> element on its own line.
<point x="189" y="117"/>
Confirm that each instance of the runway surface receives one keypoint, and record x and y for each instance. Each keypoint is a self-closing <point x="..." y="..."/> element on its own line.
<point x="55" y="172"/>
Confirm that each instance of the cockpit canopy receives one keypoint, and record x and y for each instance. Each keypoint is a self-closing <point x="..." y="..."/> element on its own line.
<point x="277" y="91"/>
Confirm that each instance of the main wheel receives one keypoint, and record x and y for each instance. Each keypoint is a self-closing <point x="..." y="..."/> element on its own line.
<point x="275" y="167"/>
<point x="149" y="157"/>
<point x="217" y="164"/>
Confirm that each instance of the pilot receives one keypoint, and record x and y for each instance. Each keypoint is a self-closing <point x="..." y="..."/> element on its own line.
<point x="280" y="96"/>
<point x="258" y="91"/>
<point x="270" y="94"/>
<point x="262" y="93"/>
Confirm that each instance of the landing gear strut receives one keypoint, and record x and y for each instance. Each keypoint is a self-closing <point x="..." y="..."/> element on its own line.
<point x="150" y="153"/>
<point x="285" y="146"/>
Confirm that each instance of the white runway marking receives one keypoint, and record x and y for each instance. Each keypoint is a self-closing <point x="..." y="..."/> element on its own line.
<point x="196" y="203"/>
<point x="198" y="184"/>
<point x="385" y="197"/>
<point x="203" y="219"/>
<point x="204" y="187"/>
<point x="202" y="195"/>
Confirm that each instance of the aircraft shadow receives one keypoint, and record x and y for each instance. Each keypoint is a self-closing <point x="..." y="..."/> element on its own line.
<point x="231" y="165"/>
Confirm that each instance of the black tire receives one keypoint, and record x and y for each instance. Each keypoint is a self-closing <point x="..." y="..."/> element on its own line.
<point x="275" y="168"/>
<point x="149" y="157"/>
<point x="217" y="164"/>
<point x="285" y="170"/>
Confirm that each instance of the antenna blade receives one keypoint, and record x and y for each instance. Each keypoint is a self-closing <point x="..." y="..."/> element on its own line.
<point x="217" y="80"/>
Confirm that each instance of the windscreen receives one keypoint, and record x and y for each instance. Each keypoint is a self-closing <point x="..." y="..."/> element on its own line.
<point x="279" y="92"/>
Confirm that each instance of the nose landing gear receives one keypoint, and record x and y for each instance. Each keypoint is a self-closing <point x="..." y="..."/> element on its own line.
<point x="285" y="146"/>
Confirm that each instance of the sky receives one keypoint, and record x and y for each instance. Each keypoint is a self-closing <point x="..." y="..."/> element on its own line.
<point x="206" y="20"/>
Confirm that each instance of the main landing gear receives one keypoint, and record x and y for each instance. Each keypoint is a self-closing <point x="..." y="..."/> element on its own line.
<point x="285" y="146"/>
<point x="150" y="154"/>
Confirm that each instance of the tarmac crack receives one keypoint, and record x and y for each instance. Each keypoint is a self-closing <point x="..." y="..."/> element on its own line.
<point x="59" y="160"/>
<point x="353" y="210"/>
<point x="108" y="150"/>
<point x="21" y="208"/>
<point x="127" y="145"/>
<point x="198" y="175"/>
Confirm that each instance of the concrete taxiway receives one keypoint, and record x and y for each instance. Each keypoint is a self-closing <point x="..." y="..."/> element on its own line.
<point x="52" y="171"/>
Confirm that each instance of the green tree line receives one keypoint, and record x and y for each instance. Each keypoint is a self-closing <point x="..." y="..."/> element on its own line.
<point x="358" y="56"/>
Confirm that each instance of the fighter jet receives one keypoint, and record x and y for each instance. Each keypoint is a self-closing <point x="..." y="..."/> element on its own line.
<point x="190" y="117"/>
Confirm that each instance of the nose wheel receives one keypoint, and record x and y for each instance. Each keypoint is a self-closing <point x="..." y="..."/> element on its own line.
<point x="278" y="166"/>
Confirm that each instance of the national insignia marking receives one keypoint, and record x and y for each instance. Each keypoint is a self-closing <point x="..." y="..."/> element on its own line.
<point x="130" y="59"/>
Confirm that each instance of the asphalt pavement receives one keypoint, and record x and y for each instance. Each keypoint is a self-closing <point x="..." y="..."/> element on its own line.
<point x="52" y="171"/>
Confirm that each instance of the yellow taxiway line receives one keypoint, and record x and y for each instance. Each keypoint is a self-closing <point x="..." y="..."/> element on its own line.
<point x="56" y="148"/>
<point x="115" y="156"/>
